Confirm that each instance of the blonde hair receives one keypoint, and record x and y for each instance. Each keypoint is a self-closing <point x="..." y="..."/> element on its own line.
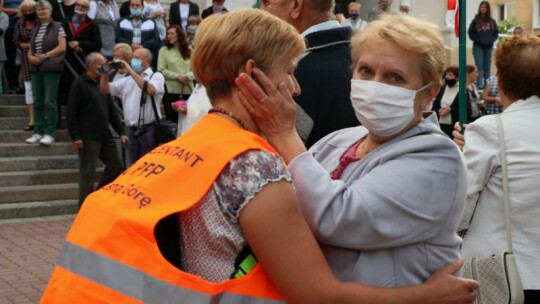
<point x="27" y="3"/>
<point x="426" y="42"/>
<point x="125" y="51"/>
<point x="354" y="5"/>
<point x="225" y="42"/>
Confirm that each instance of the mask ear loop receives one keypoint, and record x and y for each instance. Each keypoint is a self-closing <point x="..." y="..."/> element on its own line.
<point x="424" y="87"/>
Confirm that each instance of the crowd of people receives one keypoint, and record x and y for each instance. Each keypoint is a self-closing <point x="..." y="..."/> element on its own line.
<point x="350" y="106"/>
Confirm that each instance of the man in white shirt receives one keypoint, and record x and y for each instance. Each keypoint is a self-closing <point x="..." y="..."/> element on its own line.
<point x="139" y="118"/>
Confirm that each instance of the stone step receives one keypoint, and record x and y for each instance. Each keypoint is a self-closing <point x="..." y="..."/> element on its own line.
<point x="39" y="193"/>
<point x="19" y="136"/>
<point x="14" y="99"/>
<point x="17" y="123"/>
<point x="43" y="177"/>
<point x="38" y="208"/>
<point x="20" y="111"/>
<point x="30" y="163"/>
<point x="24" y="149"/>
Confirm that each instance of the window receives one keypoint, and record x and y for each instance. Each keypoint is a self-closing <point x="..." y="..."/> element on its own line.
<point x="507" y="10"/>
<point x="536" y="14"/>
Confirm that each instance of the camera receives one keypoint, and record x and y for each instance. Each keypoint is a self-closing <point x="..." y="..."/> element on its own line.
<point x="115" y="65"/>
<point x="140" y="131"/>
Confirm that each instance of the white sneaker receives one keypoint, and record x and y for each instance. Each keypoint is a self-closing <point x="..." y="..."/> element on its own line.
<point x="34" y="139"/>
<point x="47" y="140"/>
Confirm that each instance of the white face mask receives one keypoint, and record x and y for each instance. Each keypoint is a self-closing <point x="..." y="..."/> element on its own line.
<point x="383" y="109"/>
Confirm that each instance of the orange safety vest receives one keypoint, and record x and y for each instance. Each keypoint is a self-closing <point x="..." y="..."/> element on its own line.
<point x="111" y="255"/>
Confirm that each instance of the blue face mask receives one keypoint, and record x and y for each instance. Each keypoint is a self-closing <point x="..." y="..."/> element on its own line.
<point x="136" y="65"/>
<point x="135" y="11"/>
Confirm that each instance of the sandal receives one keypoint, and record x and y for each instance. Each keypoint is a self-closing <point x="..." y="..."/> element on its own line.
<point x="29" y="128"/>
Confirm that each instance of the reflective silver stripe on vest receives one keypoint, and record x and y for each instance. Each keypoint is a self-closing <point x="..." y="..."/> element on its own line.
<point x="137" y="284"/>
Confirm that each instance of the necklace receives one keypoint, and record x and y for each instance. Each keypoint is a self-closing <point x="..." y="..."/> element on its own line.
<point x="230" y="114"/>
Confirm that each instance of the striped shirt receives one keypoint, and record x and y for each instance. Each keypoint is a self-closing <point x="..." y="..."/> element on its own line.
<point x="38" y="42"/>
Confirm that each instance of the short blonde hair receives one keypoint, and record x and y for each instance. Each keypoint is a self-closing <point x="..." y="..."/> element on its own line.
<point x="225" y="42"/>
<point x="125" y="51"/>
<point x="354" y="5"/>
<point x="26" y="3"/>
<point x="425" y="41"/>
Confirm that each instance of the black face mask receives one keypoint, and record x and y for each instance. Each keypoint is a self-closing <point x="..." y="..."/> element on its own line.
<point x="31" y="16"/>
<point x="450" y="82"/>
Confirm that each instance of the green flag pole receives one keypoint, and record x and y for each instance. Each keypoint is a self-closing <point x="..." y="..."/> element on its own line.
<point x="462" y="63"/>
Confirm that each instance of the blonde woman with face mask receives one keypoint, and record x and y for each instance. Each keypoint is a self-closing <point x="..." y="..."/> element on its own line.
<point x="384" y="199"/>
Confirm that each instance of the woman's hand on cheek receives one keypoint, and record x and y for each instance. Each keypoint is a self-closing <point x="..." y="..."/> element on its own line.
<point x="273" y="109"/>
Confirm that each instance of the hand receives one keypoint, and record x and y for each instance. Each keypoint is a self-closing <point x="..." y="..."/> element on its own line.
<point x="182" y="79"/>
<point x="459" y="139"/>
<point x="444" y="111"/>
<point x="41" y="58"/>
<point x="124" y="139"/>
<point x="33" y="60"/>
<point x="24" y="45"/>
<point x="73" y="44"/>
<point x="447" y="288"/>
<point x="126" y="68"/>
<point x="273" y="109"/>
<point x="78" y="144"/>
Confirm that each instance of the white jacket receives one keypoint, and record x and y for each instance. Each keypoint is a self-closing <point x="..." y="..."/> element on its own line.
<point x="486" y="233"/>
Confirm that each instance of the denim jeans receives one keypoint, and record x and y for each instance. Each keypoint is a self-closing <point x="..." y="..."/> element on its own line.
<point x="45" y="92"/>
<point x="482" y="58"/>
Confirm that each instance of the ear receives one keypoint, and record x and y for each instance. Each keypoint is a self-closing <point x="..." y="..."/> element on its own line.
<point x="297" y="7"/>
<point x="249" y="66"/>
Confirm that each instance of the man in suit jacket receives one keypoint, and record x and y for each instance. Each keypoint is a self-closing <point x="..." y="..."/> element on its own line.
<point x="179" y="12"/>
<point x="217" y="7"/>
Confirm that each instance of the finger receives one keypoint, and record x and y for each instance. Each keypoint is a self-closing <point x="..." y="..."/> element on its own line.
<point x="268" y="85"/>
<point x="250" y="87"/>
<point x="246" y="103"/>
<point x="451" y="268"/>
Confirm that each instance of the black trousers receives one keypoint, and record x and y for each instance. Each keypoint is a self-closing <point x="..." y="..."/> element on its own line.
<point x="532" y="296"/>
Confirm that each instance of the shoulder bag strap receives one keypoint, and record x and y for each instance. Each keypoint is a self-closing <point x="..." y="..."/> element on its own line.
<point x="154" y="107"/>
<point x="504" y="170"/>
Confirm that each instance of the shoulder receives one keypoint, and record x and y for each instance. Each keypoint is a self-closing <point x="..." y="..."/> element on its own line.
<point x="245" y="176"/>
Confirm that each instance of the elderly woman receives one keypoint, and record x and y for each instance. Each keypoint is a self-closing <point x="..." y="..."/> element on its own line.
<point x="46" y="57"/>
<point x="21" y="38"/>
<point x="383" y="199"/>
<point x="230" y="201"/>
<point x="518" y="73"/>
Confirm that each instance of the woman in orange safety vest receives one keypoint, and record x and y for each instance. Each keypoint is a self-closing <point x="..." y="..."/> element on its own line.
<point x="186" y="221"/>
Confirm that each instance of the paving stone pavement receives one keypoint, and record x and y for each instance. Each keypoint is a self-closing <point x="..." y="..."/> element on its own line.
<point x="29" y="249"/>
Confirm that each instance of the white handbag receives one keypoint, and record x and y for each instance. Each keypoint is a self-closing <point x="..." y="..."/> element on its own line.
<point x="497" y="273"/>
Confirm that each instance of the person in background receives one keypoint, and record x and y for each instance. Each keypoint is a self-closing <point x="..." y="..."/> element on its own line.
<point x="446" y="104"/>
<point x="180" y="11"/>
<point x="216" y="7"/>
<point x="385" y="7"/>
<point x="138" y="118"/>
<point x="483" y="31"/>
<point x="106" y="17"/>
<point x="4" y="24"/>
<point x="492" y="99"/>
<point x="121" y="51"/>
<point x="137" y="31"/>
<point x="193" y="23"/>
<point x="354" y="20"/>
<point x="518" y="70"/>
<point x="518" y="31"/>
<point x="89" y="115"/>
<point x="405" y="8"/>
<point x="338" y="13"/>
<point x="46" y="57"/>
<point x="238" y="198"/>
<point x="21" y="38"/>
<point x="154" y="11"/>
<point x="324" y="73"/>
<point x="11" y="8"/>
<point x="475" y="96"/>
<point x="174" y="63"/>
<point x="375" y="226"/>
